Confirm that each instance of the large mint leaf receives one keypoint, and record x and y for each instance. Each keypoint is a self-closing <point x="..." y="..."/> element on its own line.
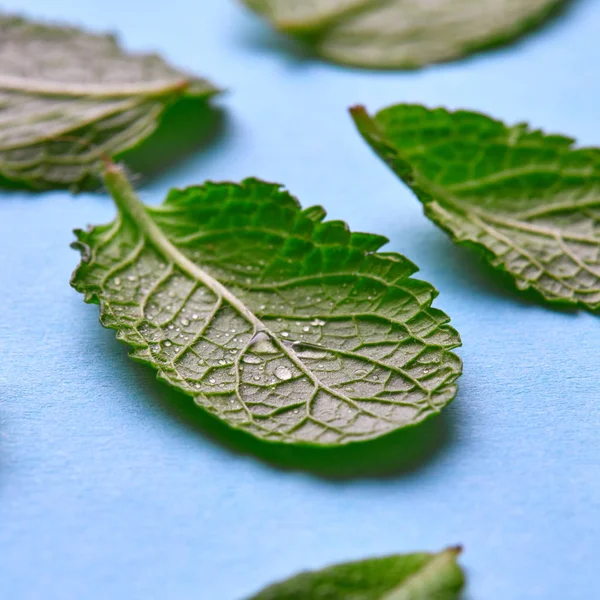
<point x="290" y="328"/>
<point x="529" y="201"/>
<point x="68" y="97"/>
<point x="402" y="33"/>
<point x="402" y="577"/>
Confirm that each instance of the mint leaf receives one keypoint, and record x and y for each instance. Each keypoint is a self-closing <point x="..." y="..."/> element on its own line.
<point x="287" y="327"/>
<point x="402" y="33"/>
<point x="68" y="97"/>
<point x="529" y="201"/>
<point x="402" y="577"/>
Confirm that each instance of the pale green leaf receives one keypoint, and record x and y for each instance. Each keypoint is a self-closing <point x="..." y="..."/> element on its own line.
<point x="419" y="576"/>
<point x="67" y="97"/>
<point x="530" y="201"/>
<point x="285" y="326"/>
<point x="402" y="33"/>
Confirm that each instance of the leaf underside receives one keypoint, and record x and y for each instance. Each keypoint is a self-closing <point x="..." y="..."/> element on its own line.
<point x="330" y="342"/>
<point x="403" y="33"/>
<point x="418" y="576"/>
<point x="528" y="200"/>
<point x="68" y="97"/>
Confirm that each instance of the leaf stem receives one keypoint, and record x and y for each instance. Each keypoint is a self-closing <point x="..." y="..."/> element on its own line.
<point x="133" y="208"/>
<point x="363" y="120"/>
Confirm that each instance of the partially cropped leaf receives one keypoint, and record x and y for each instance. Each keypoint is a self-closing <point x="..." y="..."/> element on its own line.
<point x="290" y="328"/>
<point x="67" y="97"/>
<point x="419" y="576"/>
<point x="402" y="33"/>
<point x="529" y="201"/>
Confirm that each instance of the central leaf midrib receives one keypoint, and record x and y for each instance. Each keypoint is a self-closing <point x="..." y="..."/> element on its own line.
<point x="455" y="203"/>
<point x="41" y="87"/>
<point x="558" y="236"/>
<point x="128" y="202"/>
<point x="474" y="216"/>
<point x="426" y="571"/>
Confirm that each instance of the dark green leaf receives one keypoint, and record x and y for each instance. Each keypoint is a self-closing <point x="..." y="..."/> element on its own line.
<point x="287" y="327"/>
<point x="67" y="97"/>
<point x="402" y="577"/>
<point x="529" y="201"/>
<point x="402" y="33"/>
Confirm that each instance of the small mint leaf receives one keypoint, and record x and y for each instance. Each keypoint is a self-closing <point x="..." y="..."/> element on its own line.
<point x="401" y="33"/>
<point x="418" y="576"/>
<point x="529" y="201"/>
<point x="68" y="97"/>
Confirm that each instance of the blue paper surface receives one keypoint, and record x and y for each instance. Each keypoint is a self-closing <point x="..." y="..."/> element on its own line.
<point x="108" y="492"/>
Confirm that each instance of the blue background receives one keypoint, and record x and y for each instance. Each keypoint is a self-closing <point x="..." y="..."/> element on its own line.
<point x="110" y="489"/>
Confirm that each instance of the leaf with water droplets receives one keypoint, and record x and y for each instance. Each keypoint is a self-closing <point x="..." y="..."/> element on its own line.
<point x="285" y="326"/>
<point x="402" y="33"/>
<point x="529" y="201"/>
<point x="419" y="576"/>
<point x="68" y="97"/>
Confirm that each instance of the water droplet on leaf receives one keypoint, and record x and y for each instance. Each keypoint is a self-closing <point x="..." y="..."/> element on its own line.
<point x="283" y="373"/>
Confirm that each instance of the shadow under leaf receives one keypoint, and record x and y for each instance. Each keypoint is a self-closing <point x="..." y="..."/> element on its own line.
<point x="298" y="51"/>
<point x="186" y="127"/>
<point x="469" y="265"/>
<point x="392" y="455"/>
